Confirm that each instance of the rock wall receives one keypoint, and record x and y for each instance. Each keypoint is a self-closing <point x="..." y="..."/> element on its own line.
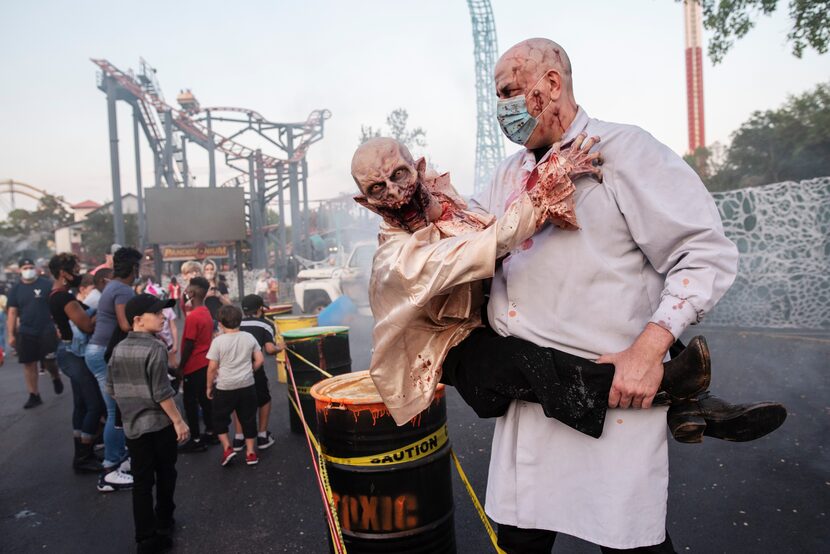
<point x="782" y="232"/>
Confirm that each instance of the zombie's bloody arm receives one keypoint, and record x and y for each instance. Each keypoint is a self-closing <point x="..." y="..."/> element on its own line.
<point x="426" y="264"/>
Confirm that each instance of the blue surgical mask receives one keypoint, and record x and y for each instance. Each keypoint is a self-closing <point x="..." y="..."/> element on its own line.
<point x="514" y="119"/>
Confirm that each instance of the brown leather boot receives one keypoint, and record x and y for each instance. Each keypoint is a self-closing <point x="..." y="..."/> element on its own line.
<point x="689" y="373"/>
<point x="713" y="417"/>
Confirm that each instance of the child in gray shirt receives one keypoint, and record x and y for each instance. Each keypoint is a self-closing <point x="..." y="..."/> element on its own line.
<point x="137" y="380"/>
<point x="232" y="359"/>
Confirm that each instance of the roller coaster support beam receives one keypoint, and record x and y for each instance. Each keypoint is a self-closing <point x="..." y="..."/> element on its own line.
<point x="185" y="170"/>
<point x="240" y="270"/>
<point x="142" y="225"/>
<point x="211" y="151"/>
<point x="156" y="170"/>
<point x="297" y="220"/>
<point x="115" y="169"/>
<point x="305" y="197"/>
<point x="281" y="259"/>
<point x="258" y="255"/>
<point x="157" y="262"/>
<point x="168" y="149"/>
<point x="260" y="245"/>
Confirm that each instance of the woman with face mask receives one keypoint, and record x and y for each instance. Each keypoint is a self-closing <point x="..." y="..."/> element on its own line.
<point x="74" y="322"/>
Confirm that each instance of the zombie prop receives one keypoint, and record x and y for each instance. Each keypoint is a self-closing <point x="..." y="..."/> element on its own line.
<point x="423" y="317"/>
<point x="426" y="289"/>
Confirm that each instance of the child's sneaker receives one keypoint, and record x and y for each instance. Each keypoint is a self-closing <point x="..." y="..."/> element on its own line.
<point x="126" y="466"/>
<point x="227" y="456"/>
<point x="238" y="444"/>
<point x="193" y="445"/>
<point x="114" y="480"/>
<point x="34" y="400"/>
<point x="251" y="459"/>
<point x="265" y="442"/>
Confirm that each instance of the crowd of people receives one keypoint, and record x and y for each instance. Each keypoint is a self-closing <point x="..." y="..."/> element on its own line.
<point x="115" y="337"/>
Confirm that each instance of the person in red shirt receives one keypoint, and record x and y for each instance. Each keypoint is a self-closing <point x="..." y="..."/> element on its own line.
<point x="174" y="292"/>
<point x="196" y="339"/>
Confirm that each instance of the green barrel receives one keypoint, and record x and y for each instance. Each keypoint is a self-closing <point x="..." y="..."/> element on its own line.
<point x="325" y="347"/>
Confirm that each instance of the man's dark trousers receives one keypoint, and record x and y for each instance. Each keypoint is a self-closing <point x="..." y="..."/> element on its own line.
<point x="195" y="396"/>
<point x="514" y="540"/>
<point x="153" y="463"/>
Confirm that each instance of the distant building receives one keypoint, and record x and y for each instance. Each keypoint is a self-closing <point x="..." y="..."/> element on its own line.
<point x="69" y="238"/>
<point x="129" y="205"/>
<point x="83" y="209"/>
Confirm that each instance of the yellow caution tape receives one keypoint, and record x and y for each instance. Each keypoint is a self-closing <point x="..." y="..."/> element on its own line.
<point x="411" y="452"/>
<point x="300" y="390"/>
<point x="310" y="434"/>
<point x="477" y="504"/>
<point x="336" y="531"/>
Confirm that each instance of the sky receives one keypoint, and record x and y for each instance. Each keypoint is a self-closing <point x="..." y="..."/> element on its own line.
<point x="359" y="59"/>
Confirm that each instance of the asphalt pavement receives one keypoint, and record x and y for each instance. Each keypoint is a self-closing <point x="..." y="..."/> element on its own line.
<point x="767" y="496"/>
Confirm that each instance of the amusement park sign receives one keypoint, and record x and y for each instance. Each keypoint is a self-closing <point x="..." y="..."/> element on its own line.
<point x="193" y="252"/>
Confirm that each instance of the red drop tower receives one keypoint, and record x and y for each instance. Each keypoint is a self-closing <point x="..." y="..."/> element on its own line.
<point x="694" y="73"/>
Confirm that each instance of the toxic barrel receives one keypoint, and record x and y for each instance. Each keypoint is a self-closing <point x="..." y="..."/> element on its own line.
<point x="287" y="323"/>
<point x="324" y="347"/>
<point x="391" y="485"/>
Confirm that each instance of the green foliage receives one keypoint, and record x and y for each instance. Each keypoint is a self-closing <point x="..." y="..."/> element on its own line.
<point x="98" y="234"/>
<point x="730" y="20"/>
<point x="48" y="216"/>
<point x="790" y="143"/>
<point x="36" y="228"/>
<point x="396" y="123"/>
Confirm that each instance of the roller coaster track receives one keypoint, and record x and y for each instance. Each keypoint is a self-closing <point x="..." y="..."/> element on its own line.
<point x="253" y="115"/>
<point x="12" y="187"/>
<point x="147" y="97"/>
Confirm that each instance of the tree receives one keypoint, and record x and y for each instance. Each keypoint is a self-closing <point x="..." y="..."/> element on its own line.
<point x="730" y="20"/>
<point x="707" y="161"/>
<point x="36" y="228"/>
<point x="98" y="235"/>
<point x="790" y="143"/>
<point x="396" y="122"/>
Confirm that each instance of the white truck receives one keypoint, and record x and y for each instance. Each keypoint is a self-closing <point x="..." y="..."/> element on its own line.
<point x="321" y="285"/>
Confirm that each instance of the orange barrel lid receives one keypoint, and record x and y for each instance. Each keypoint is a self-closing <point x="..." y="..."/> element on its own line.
<point x="278" y="309"/>
<point x="351" y="389"/>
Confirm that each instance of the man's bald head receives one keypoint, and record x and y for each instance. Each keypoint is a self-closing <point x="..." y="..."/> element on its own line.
<point x="534" y="57"/>
<point x="540" y="69"/>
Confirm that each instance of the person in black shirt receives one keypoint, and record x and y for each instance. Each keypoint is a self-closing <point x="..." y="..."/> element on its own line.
<point x="74" y="323"/>
<point x="263" y="331"/>
<point x="30" y="331"/>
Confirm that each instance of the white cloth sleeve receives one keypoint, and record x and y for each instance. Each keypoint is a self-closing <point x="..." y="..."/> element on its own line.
<point x="674" y="221"/>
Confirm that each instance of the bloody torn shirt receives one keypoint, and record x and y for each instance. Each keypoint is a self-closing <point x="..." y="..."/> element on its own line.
<point x="425" y="292"/>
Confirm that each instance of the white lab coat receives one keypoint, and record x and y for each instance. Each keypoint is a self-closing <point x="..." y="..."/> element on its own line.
<point x="651" y="248"/>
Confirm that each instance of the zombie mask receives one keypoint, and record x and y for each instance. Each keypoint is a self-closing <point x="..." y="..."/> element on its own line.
<point x="392" y="184"/>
